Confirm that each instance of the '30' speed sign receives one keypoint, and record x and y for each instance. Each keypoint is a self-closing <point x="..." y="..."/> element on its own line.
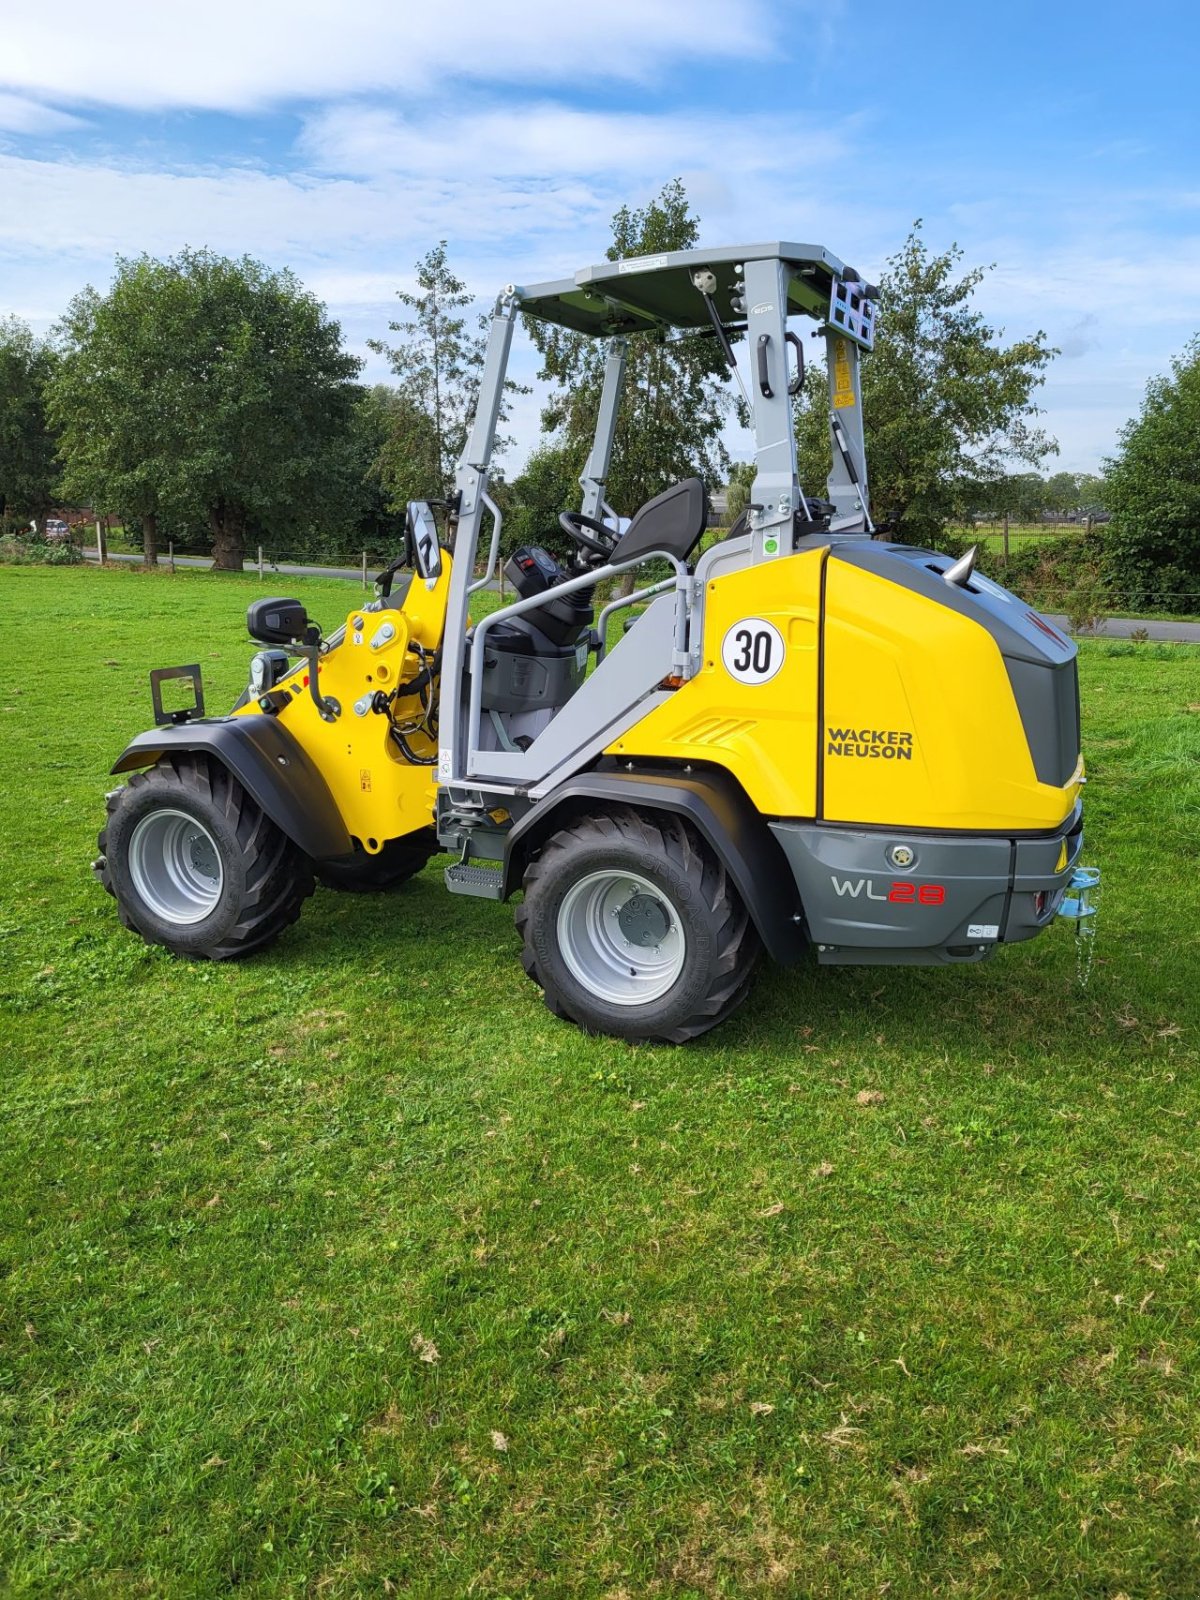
<point x="752" y="651"/>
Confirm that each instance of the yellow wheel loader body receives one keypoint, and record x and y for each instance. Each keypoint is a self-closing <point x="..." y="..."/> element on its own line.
<point x="804" y="738"/>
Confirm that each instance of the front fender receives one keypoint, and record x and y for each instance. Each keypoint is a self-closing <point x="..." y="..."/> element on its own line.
<point x="269" y="764"/>
<point x="720" y="811"/>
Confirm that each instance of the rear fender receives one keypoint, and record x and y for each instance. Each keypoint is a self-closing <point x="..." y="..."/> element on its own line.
<point x="715" y="805"/>
<point x="268" y="763"/>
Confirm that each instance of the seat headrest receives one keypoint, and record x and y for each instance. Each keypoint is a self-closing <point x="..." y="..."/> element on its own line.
<point x="672" y="521"/>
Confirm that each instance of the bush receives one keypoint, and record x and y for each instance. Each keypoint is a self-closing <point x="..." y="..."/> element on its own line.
<point x="1154" y="494"/>
<point x="65" y="554"/>
<point x="38" y="553"/>
<point x="1067" y="573"/>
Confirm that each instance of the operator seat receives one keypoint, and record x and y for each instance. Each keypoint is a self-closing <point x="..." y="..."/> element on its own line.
<point x="673" y="521"/>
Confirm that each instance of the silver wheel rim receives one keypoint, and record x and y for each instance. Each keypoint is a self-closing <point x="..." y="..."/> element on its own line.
<point x="621" y="937"/>
<point x="176" y="866"/>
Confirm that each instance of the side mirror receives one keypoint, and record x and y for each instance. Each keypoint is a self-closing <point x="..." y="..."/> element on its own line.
<point x="277" y="621"/>
<point x="421" y="540"/>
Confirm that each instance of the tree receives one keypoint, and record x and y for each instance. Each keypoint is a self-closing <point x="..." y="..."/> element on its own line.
<point x="27" y="445"/>
<point x="946" y="406"/>
<point x="674" y="404"/>
<point x="737" y="493"/>
<point x="204" y="389"/>
<point x="408" y="460"/>
<point x="379" y="482"/>
<point x="1061" y="493"/>
<point x="1091" y="492"/>
<point x="1153" y="487"/>
<point x="1022" y="496"/>
<point x="548" y="486"/>
<point x="438" y="362"/>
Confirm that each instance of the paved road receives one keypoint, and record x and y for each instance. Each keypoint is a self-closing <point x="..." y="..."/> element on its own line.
<point x="1124" y="627"/>
<point x="1110" y="627"/>
<point x="285" y="569"/>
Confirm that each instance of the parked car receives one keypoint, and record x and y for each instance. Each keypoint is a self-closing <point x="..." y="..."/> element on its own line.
<point x="56" y="531"/>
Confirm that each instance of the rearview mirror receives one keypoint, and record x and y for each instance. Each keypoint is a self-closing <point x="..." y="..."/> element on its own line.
<point x="277" y="621"/>
<point x="421" y="537"/>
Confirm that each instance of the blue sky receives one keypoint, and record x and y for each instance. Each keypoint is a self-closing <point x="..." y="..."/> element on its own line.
<point x="1057" y="140"/>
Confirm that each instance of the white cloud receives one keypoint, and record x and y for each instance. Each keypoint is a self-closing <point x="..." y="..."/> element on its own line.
<point x="88" y="208"/>
<point x="19" y="115"/>
<point x="230" y="55"/>
<point x="545" y="139"/>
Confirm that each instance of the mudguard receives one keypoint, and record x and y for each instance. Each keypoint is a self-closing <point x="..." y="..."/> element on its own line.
<point x="715" y="805"/>
<point x="268" y="763"/>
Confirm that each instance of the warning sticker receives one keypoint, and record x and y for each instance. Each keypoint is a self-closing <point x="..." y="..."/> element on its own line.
<point x="752" y="650"/>
<point x="364" y="779"/>
<point x="843" y="381"/>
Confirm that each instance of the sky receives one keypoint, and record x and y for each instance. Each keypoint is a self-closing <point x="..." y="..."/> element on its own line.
<point x="344" y="138"/>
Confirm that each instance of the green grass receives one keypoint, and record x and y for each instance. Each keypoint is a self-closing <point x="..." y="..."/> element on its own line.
<point x="1020" y="534"/>
<point x="699" y="1322"/>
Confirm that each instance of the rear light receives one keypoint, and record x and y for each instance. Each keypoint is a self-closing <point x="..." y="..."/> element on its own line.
<point x="1039" y="902"/>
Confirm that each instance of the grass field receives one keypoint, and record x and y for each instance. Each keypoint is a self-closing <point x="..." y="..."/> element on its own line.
<point x="350" y="1271"/>
<point x="1020" y="534"/>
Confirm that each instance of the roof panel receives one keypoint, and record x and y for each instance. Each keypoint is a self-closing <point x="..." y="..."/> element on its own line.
<point x="657" y="291"/>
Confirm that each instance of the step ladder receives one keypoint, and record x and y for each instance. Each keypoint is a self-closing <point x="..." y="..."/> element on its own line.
<point x="469" y="877"/>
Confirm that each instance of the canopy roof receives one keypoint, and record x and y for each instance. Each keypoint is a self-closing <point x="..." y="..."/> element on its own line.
<point x="646" y="292"/>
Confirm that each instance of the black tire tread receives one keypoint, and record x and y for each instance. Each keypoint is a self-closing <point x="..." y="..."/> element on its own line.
<point x="279" y="875"/>
<point x="657" y="835"/>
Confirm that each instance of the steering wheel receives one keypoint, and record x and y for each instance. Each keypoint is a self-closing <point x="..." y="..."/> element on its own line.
<point x="574" y="522"/>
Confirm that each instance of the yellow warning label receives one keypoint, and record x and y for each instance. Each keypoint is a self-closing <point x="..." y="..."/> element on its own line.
<point x="843" y="382"/>
<point x="364" y="778"/>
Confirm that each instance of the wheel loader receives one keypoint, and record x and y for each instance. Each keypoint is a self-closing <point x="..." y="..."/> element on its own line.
<point x="804" y="739"/>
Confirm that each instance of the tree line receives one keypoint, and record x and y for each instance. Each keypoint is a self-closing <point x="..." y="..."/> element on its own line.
<point x="213" y="401"/>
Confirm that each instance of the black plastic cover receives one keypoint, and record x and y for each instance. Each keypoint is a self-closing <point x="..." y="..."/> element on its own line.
<point x="276" y="621"/>
<point x="1048" y="700"/>
<point x="673" y="521"/>
<point x="532" y="570"/>
<point x="270" y="765"/>
<point x="520" y="637"/>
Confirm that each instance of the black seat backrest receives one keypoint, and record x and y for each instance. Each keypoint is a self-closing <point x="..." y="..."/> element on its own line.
<point x="672" y="521"/>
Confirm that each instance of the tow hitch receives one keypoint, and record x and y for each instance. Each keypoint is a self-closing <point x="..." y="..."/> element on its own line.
<point x="1079" y="905"/>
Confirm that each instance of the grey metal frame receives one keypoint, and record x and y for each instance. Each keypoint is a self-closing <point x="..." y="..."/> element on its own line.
<point x="620" y="604"/>
<point x="776" y="494"/>
<point x="482" y="764"/>
<point x="847" y="478"/>
<point x="775" y="281"/>
<point x="471" y="483"/>
<point x="595" y="472"/>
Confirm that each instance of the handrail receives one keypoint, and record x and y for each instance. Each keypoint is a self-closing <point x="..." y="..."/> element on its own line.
<point x="494" y="546"/>
<point x="618" y="605"/>
<point x="532" y="602"/>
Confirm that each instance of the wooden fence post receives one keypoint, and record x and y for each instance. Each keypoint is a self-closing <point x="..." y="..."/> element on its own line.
<point x="260" y="564"/>
<point x="101" y="542"/>
<point x="364" y="569"/>
<point x="171" y="554"/>
<point x="1006" y="538"/>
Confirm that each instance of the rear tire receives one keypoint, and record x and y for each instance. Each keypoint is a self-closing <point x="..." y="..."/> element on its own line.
<point x="399" y="860"/>
<point x="194" y="864"/>
<point x="632" y="928"/>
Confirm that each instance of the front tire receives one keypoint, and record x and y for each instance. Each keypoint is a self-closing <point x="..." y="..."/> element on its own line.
<point x="632" y="928"/>
<point x="196" y="865"/>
